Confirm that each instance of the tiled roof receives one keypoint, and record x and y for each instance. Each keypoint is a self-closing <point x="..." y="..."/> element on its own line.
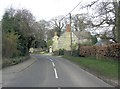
<point x="82" y="34"/>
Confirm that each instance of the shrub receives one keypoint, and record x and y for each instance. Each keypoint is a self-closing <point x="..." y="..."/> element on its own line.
<point x="111" y="51"/>
<point x="56" y="52"/>
<point x="9" y="47"/>
<point x="61" y="51"/>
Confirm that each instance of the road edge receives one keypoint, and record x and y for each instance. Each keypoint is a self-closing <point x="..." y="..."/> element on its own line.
<point x="20" y="67"/>
<point x="103" y="78"/>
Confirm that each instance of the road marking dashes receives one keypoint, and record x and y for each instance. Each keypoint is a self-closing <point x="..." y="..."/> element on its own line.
<point x="56" y="75"/>
<point x="51" y="60"/>
<point x="53" y="64"/>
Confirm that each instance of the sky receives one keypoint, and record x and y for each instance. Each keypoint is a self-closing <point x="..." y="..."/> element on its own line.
<point x="42" y="9"/>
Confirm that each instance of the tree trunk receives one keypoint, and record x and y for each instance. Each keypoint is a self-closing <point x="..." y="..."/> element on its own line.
<point x="117" y="20"/>
<point x="118" y="33"/>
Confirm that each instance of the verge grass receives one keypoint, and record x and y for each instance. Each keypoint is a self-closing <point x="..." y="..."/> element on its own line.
<point x="37" y="53"/>
<point x="13" y="61"/>
<point x="103" y="67"/>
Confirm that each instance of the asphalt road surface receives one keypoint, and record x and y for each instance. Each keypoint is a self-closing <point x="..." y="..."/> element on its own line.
<point x="50" y="71"/>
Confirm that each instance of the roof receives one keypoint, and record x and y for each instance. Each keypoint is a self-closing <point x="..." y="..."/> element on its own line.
<point x="82" y="34"/>
<point x="103" y="43"/>
<point x="99" y="43"/>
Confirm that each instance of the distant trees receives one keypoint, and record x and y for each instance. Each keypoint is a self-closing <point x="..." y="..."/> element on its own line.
<point x="49" y="43"/>
<point x="50" y="34"/>
<point x="79" y="22"/>
<point x="40" y="33"/>
<point x="58" y="24"/>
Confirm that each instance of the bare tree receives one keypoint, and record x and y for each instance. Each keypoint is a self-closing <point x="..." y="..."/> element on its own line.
<point x="58" y="24"/>
<point x="106" y="16"/>
<point x="79" y="22"/>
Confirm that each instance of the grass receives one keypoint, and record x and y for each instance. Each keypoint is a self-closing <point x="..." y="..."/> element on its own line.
<point x="38" y="53"/>
<point x="17" y="60"/>
<point x="103" y="67"/>
<point x="13" y="61"/>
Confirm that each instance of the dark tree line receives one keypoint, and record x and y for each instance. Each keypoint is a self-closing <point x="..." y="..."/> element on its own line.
<point x="17" y="32"/>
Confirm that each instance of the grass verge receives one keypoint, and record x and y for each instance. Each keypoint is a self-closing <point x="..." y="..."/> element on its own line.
<point x="103" y="67"/>
<point x="13" y="61"/>
<point x="39" y="53"/>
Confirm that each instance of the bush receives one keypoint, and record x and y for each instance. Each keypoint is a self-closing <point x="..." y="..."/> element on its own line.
<point x="111" y="52"/>
<point x="9" y="47"/>
<point x="61" y="51"/>
<point x="75" y="53"/>
<point x="6" y="62"/>
<point x="56" y="53"/>
<point x="12" y="61"/>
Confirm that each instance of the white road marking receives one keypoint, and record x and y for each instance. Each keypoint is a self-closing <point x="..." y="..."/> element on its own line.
<point x="51" y="60"/>
<point x="56" y="76"/>
<point x="53" y="64"/>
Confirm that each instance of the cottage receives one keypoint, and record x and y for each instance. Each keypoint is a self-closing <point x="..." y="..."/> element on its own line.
<point x="64" y="41"/>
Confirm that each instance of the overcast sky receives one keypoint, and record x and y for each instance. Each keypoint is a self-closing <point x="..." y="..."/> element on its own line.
<point x="42" y="9"/>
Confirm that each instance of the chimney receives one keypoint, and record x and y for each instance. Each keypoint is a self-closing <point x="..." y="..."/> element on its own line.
<point x="68" y="28"/>
<point x="55" y="34"/>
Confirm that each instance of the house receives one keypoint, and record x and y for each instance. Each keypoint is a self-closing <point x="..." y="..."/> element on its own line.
<point x="103" y="42"/>
<point x="64" y="41"/>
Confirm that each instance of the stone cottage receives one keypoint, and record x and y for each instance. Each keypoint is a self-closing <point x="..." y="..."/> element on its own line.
<point x="64" y="41"/>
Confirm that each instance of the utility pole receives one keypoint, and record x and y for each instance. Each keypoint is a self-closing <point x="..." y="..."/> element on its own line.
<point x="70" y="33"/>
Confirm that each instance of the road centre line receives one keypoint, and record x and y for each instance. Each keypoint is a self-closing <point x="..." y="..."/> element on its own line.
<point x="51" y="60"/>
<point x="53" y="64"/>
<point x="56" y="75"/>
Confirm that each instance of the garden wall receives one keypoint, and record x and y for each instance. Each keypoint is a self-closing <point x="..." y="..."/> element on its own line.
<point x="111" y="52"/>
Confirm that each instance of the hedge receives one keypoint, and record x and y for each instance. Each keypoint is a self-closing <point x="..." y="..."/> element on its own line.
<point x="111" y="52"/>
<point x="59" y="52"/>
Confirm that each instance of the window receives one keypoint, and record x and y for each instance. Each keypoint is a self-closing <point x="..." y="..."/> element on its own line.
<point x="73" y="41"/>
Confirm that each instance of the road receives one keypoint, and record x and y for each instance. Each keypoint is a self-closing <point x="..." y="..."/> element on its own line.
<point x="51" y="71"/>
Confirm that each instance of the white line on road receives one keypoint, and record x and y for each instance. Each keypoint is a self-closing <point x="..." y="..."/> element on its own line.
<point x="51" y="60"/>
<point x="55" y="73"/>
<point x="53" y="64"/>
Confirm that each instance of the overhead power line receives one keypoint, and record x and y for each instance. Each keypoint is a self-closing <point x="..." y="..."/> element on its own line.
<point x="72" y="10"/>
<point x="75" y="7"/>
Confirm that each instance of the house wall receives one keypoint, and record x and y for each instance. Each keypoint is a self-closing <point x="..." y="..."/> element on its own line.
<point x="55" y="43"/>
<point x="85" y="41"/>
<point x="65" y="40"/>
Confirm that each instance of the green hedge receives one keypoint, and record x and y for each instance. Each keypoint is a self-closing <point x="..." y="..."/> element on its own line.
<point x="59" y="52"/>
